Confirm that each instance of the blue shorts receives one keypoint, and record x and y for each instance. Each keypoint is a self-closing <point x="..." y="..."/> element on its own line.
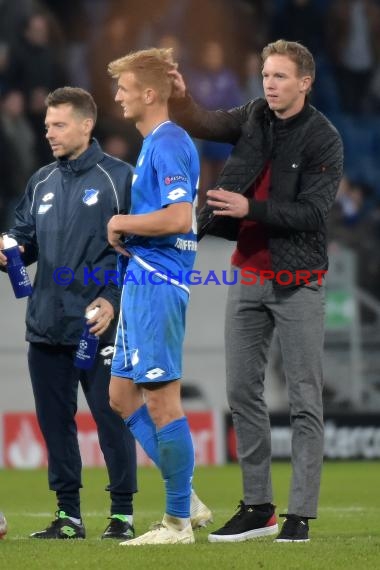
<point x="151" y="329"/>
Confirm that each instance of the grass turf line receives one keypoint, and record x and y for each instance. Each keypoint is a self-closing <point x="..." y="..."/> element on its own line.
<point x="346" y="534"/>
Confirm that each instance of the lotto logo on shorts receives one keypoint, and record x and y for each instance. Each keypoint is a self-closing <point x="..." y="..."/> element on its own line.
<point x="154" y="373"/>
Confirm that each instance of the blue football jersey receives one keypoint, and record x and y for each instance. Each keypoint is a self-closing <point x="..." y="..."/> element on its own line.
<point x="167" y="172"/>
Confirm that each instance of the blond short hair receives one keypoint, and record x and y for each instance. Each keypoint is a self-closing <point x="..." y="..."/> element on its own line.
<point x="150" y="67"/>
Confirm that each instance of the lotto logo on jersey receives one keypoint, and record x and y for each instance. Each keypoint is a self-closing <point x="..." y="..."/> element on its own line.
<point x="48" y="196"/>
<point x="177" y="193"/>
<point x="177" y="178"/>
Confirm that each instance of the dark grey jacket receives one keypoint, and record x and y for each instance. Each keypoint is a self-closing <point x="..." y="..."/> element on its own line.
<point x="62" y="222"/>
<point x="306" y="157"/>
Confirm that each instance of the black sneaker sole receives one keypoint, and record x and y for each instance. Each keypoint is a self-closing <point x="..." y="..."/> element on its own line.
<point x="241" y="537"/>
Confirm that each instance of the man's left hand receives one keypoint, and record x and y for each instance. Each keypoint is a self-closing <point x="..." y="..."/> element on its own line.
<point x="103" y="318"/>
<point x="227" y="203"/>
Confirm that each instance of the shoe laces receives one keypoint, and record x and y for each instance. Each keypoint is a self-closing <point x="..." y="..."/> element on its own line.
<point x="159" y="526"/>
<point x="241" y="509"/>
<point x="155" y="525"/>
<point x="61" y="515"/>
<point x="117" y="523"/>
<point x="57" y="521"/>
<point x="292" y="523"/>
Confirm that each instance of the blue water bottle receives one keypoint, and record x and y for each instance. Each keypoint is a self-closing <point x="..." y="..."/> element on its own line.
<point x="16" y="269"/>
<point x="88" y="345"/>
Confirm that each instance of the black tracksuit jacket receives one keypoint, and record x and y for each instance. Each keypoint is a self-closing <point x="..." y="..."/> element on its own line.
<point x="62" y="222"/>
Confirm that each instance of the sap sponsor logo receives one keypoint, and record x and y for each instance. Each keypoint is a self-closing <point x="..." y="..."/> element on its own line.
<point x="43" y="208"/>
<point x="90" y="197"/>
<point x="47" y="197"/>
<point x="177" y="178"/>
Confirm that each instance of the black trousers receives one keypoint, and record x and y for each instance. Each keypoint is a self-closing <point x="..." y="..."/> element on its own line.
<point x="55" y="383"/>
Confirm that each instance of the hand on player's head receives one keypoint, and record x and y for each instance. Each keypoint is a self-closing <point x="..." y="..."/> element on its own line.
<point x="178" y="83"/>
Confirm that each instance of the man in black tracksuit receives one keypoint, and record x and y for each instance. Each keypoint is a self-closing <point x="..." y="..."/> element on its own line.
<point x="61" y="222"/>
<point x="273" y="197"/>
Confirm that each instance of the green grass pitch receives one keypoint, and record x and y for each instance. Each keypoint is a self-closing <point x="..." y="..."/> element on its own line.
<point x="345" y="536"/>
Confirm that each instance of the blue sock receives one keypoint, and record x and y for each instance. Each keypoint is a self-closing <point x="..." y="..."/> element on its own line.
<point x="176" y="453"/>
<point x="142" y="427"/>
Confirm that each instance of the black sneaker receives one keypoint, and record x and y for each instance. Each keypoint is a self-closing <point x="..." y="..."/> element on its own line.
<point x="61" y="527"/>
<point x="245" y="524"/>
<point x="294" y="529"/>
<point x="119" y="528"/>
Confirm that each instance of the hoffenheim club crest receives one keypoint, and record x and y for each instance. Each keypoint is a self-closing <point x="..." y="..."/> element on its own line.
<point x="90" y="197"/>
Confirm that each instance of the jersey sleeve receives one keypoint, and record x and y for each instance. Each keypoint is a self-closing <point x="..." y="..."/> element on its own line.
<point x="172" y="163"/>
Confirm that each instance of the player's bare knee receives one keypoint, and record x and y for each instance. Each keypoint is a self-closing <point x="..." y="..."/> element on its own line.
<point x="155" y="410"/>
<point x="159" y="413"/>
<point x="162" y="414"/>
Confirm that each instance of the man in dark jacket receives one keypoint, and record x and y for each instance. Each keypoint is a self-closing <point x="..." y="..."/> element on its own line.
<point x="61" y="222"/>
<point x="273" y="197"/>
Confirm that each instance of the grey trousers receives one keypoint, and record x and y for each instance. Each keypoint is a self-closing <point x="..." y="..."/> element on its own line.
<point x="298" y="314"/>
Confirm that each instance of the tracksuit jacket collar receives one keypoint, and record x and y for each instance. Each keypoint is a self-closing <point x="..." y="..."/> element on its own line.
<point x="85" y="161"/>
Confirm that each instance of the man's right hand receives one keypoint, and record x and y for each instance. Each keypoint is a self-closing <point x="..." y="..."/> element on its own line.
<point x="3" y="259"/>
<point x="178" y="84"/>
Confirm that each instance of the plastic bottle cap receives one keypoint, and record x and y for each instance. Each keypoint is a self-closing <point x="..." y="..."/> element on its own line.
<point x="8" y="241"/>
<point x="92" y="312"/>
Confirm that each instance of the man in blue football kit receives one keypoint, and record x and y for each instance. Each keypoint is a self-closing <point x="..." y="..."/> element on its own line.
<point x="160" y="240"/>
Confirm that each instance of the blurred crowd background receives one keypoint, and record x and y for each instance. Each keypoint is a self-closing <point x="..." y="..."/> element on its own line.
<point x="45" y="44"/>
